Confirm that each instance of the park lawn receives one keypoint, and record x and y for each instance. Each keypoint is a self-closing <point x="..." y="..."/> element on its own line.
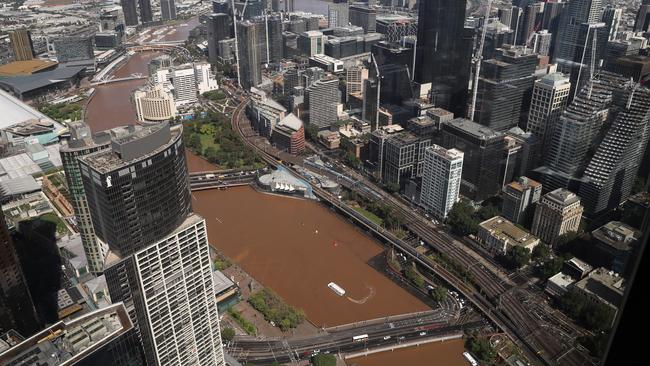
<point x="52" y="217"/>
<point x="207" y="141"/>
<point x="369" y="215"/>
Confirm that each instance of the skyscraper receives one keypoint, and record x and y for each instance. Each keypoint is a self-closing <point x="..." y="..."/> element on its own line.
<point x="518" y="197"/>
<point x="441" y="179"/>
<point x="579" y="23"/>
<point x="146" y="15"/>
<point x="642" y="22"/>
<point x="364" y="17"/>
<point x="82" y="143"/>
<point x="443" y="54"/>
<point x="16" y="306"/>
<point x="21" y="44"/>
<point x="609" y="177"/>
<point x="159" y="262"/>
<point x="249" y="35"/>
<point x="557" y="213"/>
<point x="219" y="27"/>
<point x="505" y="86"/>
<point x="167" y="9"/>
<point x="338" y="13"/>
<point x="130" y="9"/>
<point x="612" y="18"/>
<point x="550" y="96"/>
<point x="322" y="101"/>
<point x="576" y="131"/>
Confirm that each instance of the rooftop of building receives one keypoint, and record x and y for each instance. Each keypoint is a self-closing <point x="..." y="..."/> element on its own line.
<point x="403" y="138"/>
<point x="26" y="67"/>
<point x="448" y="154"/>
<point x="291" y="121"/>
<point x="27" y="83"/>
<point x="641" y="198"/>
<point x="68" y="342"/>
<point x="607" y="285"/>
<point x="524" y="183"/>
<point x="221" y="282"/>
<point x="617" y="234"/>
<point x="474" y="129"/>
<point x="130" y="144"/>
<point x="562" y="280"/>
<point x="507" y="231"/>
<point x="562" y="197"/>
<point x="579" y="264"/>
<point x="15" y="111"/>
<point x="439" y="112"/>
<point x="555" y="79"/>
<point x="421" y="121"/>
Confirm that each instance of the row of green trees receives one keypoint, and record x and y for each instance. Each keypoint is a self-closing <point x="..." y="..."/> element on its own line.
<point x="592" y="315"/>
<point x="274" y="309"/>
<point x="62" y="112"/>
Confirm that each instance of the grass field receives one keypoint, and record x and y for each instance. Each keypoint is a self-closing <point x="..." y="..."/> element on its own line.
<point x="369" y="215"/>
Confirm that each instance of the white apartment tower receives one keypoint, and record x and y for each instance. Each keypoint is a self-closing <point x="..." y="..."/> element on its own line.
<point x="184" y="83"/>
<point x="205" y="80"/>
<point x="441" y="179"/>
<point x="550" y="96"/>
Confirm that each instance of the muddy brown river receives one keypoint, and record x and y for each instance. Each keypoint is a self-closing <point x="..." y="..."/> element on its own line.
<point x="448" y="353"/>
<point x="297" y="247"/>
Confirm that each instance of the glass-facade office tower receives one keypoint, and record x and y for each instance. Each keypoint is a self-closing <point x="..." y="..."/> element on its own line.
<point x="443" y="55"/>
<point x="219" y="28"/>
<point x="16" y="307"/>
<point x="167" y="9"/>
<point x="82" y="143"/>
<point x="249" y="35"/>
<point x="21" y="44"/>
<point x="159" y="262"/>
<point x="130" y="10"/>
<point x="146" y="14"/>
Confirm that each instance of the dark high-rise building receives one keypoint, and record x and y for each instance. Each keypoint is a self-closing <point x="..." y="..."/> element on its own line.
<point x="219" y="28"/>
<point x="578" y="25"/>
<point x="102" y="337"/>
<point x="146" y="15"/>
<point x="249" y="35"/>
<point x="167" y="9"/>
<point x="505" y="87"/>
<point x="276" y="47"/>
<point x="140" y="203"/>
<point x="133" y="203"/>
<point x="490" y="157"/>
<point x="443" y="55"/>
<point x="221" y="6"/>
<point x="130" y="9"/>
<point x="16" y="306"/>
<point x="364" y="17"/>
<point x="642" y="22"/>
<point x="21" y="44"/>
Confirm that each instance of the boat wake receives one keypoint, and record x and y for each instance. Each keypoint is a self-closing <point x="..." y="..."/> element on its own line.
<point x="370" y="295"/>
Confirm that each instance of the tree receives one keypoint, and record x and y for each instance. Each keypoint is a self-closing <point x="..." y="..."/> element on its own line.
<point x="323" y="360"/>
<point x="210" y="153"/>
<point x="488" y="212"/>
<point x="439" y="294"/>
<point x="541" y="251"/>
<point x="392" y="187"/>
<point x="518" y="256"/>
<point x="461" y="220"/>
<point x="352" y="160"/>
<point x="194" y="143"/>
<point x="227" y="334"/>
<point x="312" y="132"/>
<point x="481" y="348"/>
<point x="550" y="267"/>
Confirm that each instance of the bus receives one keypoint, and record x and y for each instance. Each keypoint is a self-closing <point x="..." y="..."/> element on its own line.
<point x="360" y="338"/>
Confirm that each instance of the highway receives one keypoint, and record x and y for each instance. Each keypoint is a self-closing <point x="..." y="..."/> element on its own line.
<point x="491" y="292"/>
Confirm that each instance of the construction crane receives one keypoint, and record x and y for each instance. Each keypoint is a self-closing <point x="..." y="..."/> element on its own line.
<point x="477" y="60"/>
<point x="234" y="15"/>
